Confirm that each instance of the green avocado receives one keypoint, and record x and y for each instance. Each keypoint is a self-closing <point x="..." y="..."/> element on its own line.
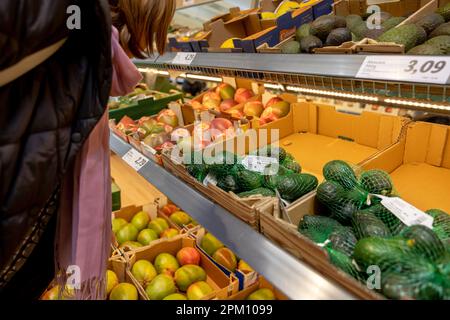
<point x="442" y="30"/>
<point x="308" y="44"/>
<point x="338" y="36"/>
<point x="322" y="27"/>
<point x="303" y="31"/>
<point x="291" y="47"/>
<point x="430" y="22"/>
<point x="424" y="50"/>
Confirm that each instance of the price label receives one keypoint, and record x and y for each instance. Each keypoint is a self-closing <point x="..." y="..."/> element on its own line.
<point x="184" y="58"/>
<point x="210" y="179"/>
<point x="135" y="159"/>
<point x="258" y="164"/>
<point x="413" y="69"/>
<point x="407" y="213"/>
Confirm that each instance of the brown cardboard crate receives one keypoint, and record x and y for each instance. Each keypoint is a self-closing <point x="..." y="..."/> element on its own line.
<point x="246" y="279"/>
<point x="127" y="213"/>
<point x="422" y="158"/>
<point x="262" y="283"/>
<point x="244" y="209"/>
<point x="285" y="234"/>
<point x="223" y="285"/>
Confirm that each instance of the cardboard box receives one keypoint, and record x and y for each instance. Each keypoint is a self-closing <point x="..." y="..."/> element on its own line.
<point x="117" y="265"/>
<point x="246" y="279"/>
<point x="317" y="133"/>
<point x="261" y="284"/>
<point x="284" y="233"/>
<point x="128" y="213"/>
<point x="396" y="8"/>
<point x="224" y="286"/>
<point x="419" y="165"/>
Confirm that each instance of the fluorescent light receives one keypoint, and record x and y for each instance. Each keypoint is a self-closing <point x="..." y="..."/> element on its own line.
<point x="162" y="73"/>
<point x="274" y="86"/>
<point x="331" y="93"/>
<point x="417" y="104"/>
<point x="205" y="78"/>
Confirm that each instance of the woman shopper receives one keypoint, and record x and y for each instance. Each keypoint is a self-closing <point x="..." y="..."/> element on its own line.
<point x="54" y="155"/>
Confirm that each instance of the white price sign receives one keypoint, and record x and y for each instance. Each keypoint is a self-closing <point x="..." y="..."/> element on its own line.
<point x="409" y="68"/>
<point x="210" y="179"/>
<point x="135" y="159"/>
<point x="184" y="58"/>
<point x="257" y="163"/>
<point x="407" y="213"/>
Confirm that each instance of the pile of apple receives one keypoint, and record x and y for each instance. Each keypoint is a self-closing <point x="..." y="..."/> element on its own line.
<point x="141" y="231"/>
<point x="173" y="278"/>
<point x="222" y="255"/>
<point x="239" y="103"/>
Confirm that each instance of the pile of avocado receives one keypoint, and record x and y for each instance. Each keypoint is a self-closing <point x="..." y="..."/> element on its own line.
<point x="428" y="36"/>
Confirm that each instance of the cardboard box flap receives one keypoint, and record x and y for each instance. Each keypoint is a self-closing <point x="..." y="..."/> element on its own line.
<point x="418" y="137"/>
<point x="436" y="145"/>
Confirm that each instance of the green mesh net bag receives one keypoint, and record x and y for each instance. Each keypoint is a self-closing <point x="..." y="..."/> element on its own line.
<point x="367" y="225"/>
<point x="317" y="228"/>
<point x="376" y="182"/>
<point x="441" y="224"/>
<point x="343" y="240"/>
<point x="344" y="263"/>
<point x="424" y="242"/>
<point x="342" y="173"/>
<point x="414" y="279"/>
<point x="388" y="218"/>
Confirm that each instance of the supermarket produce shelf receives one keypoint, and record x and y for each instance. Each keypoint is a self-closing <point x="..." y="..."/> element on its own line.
<point x="296" y="279"/>
<point x="331" y="72"/>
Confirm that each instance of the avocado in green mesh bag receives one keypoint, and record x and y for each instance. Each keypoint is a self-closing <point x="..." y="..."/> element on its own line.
<point x="344" y="263"/>
<point x="294" y="186"/>
<point x="341" y="172"/>
<point x="441" y="223"/>
<point x="317" y="228"/>
<point x="389" y="219"/>
<point x="367" y="224"/>
<point x="424" y="242"/>
<point x="343" y="239"/>
<point x="413" y="278"/>
<point x="376" y="182"/>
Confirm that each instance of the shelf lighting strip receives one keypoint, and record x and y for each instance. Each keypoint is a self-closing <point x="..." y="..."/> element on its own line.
<point x="333" y="93"/>
<point x="417" y="104"/>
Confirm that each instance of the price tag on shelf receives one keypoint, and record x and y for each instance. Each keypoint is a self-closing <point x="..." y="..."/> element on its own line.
<point x="258" y="163"/>
<point x="408" y="68"/>
<point x="407" y="213"/>
<point x="184" y="58"/>
<point x="135" y="159"/>
<point x="210" y="179"/>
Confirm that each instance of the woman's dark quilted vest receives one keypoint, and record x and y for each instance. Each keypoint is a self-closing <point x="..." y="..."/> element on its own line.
<point x="46" y="114"/>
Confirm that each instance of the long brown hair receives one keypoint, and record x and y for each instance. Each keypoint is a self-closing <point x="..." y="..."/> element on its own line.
<point x="142" y="24"/>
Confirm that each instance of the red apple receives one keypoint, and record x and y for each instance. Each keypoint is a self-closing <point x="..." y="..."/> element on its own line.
<point x="221" y="124"/>
<point x="272" y="102"/>
<point x="168" y="117"/>
<point x="253" y="109"/>
<point x="168" y="209"/>
<point x="242" y="95"/>
<point x="211" y="95"/>
<point x="188" y="255"/>
<point x="227" y="104"/>
<point x="225" y="91"/>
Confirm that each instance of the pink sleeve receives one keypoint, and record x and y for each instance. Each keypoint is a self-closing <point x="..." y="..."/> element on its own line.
<point x="125" y="74"/>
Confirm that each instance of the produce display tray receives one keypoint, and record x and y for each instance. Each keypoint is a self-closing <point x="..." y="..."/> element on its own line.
<point x="145" y="107"/>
